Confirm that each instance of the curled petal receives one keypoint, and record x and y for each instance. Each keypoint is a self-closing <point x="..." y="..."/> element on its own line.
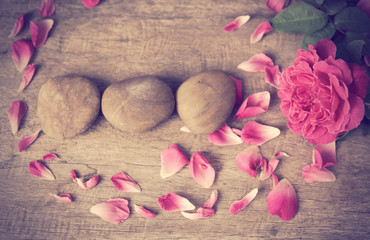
<point x="315" y="173"/>
<point x="92" y="182"/>
<point x="201" y="213"/>
<point x="74" y="176"/>
<point x="40" y="31"/>
<point x="202" y="172"/>
<point x="22" y="51"/>
<point x="16" y="112"/>
<point x="253" y="105"/>
<point x="249" y="160"/>
<point x="50" y="156"/>
<point x="37" y="169"/>
<point x="275" y="180"/>
<point x="27" y="141"/>
<point x="125" y="183"/>
<point x="212" y="200"/>
<point x="273" y="75"/>
<point x="47" y="8"/>
<point x="65" y="197"/>
<point x="239" y="90"/>
<point x="281" y="154"/>
<point x="257" y="134"/>
<point x="172" y="160"/>
<point x="282" y="200"/>
<point x="115" y="210"/>
<point x="17" y="27"/>
<point x="257" y="63"/>
<point x="172" y="202"/>
<point x="224" y="136"/>
<point x="326" y="48"/>
<point x="144" y="212"/>
<point x="90" y="3"/>
<point x="185" y="129"/>
<point x="277" y="5"/>
<point x="239" y="205"/>
<point x="237" y="23"/>
<point x="27" y="77"/>
<point x="261" y="30"/>
<point x="268" y="168"/>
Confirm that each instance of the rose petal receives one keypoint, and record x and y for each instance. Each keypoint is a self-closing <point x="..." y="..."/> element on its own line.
<point x="257" y="134"/>
<point x="282" y="200"/>
<point x="185" y="129"/>
<point x="22" y="51"/>
<point x="74" y="176"/>
<point x="239" y="205"/>
<point x="37" y="169"/>
<point x="47" y="8"/>
<point x="202" y="172"/>
<point x="40" y="30"/>
<point x="253" y="105"/>
<point x="262" y="29"/>
<point x="125" y="183"/>
<point x="268" y="168"/>
<point x="172" y="202"/>
<point x="90" y="3"/>
<point x="239" y="90"/>
<point x="357" y="112"/>
<point x="275" y="180"/>
<point x="17" y="27"/>
<point x="237" y="23"/>
<point x="212" y="200"/>
<point x="172" y="160"/>
<point x="17" y="110"/>
<point x="273" y="75"/>
<point x="144" y="212"/>
<point x="224" y="136"/>
<point x="324" y="155"/>
<point x="360" y="81"/>
<point x="281" y="154"/>
<point x="27" y="77"/>
<point x="257" y="63"/>
<point x="249" y="160"/>
<point x="315" y="173"/>
<point x="325" y="48"/>
<point x="201" y="213"/>
<point x="65" y="197"/>
<point x="277" y="5"/>
<point x="49" y="156"/>
<point x="115" y="210"/>
<point x="27" y="141"/>
<point x="92" y="182"/>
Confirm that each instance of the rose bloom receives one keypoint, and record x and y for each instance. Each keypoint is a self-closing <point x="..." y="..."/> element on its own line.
<point x="321" y="96"/>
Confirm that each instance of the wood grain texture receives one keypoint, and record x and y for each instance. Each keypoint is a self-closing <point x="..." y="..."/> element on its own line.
<point x="172" y="40"/>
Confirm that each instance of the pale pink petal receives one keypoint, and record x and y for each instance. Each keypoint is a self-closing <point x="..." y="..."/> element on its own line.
<point x="268" y="168"/>
<point x="201" y="213"/>
<point x="17" y="110"/>
<point x="212" y="200"/>
<point x="172" y="202"/>
<point x="277" y="5"/>
<point x="47" y="8"/>
<point x="224" y="136"/>
<point x="275" y="180"/>
<point x="115" y="210"/>
<point x="257" y="63"/>
<point x="27" y="141"/>
<point x="257" y="134"/>
<point x="185" y="129"/>
<point x="237" y="131"/>
<point x="125" y="183"/>
<point x="90" y="3"/>
<point x="237" y="23"/>
<point x="324" y="155"/>
<point x="249" y="160"/>
<point x="92" y="182"/>
<point x="239" y="90"/>
<point x="65" y="197"/>
<point x="17" y="27"/>
<point x="261" y="30"/>
<point x="22" y="51"/>
<point x="315" y="173"/>
<point x="282" y="200"/>
<point x="27" y="77"/>
<point x="281" y="154"/>
<point x="40" y="31"/>
<point x="50" y="156"/>
<point x="273" y="75"/>
<point x="172" y="160"/>
<point x="37" y="169"/>
<point x="202" y="172"/>
<point x="253" y="105"/>
<point x="144" y="212"/>
<point x="239" y="205"/>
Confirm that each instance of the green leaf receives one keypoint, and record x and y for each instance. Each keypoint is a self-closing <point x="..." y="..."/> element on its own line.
<point x="332" y="7"/>
<point x="341" y="44"/>
<point x="352" y="19"/>
<point x="351" y="36"/>
<point x="354" y="49"/>
<point x="299" y="18"/>
<point x="314" y="2"/>
<point x="327" y="32"/>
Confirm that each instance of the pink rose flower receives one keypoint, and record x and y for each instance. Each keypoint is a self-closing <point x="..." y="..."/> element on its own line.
<point x="321" y="96"/>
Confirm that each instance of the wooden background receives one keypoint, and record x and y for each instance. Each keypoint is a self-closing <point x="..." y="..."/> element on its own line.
<point x="173" y="40"/>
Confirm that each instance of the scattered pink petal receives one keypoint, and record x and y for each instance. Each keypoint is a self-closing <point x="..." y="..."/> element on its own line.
<point x="37" y="169"/>
<point x="273" y="75"/>
<point x="261" y="30"/>
<point x="239" y="205"/>
<point x="277" y="5"/>
<point x="253" y="105"/>
<point x="92" y="182"/>
<point x="17" y="111"/>
<point x="212" y="200"/>
<point x="275" y="180"/>
<point x="22" y="51"/>
<point x="224" y="136"/>
<point x="50" y="156"/>
<point x="47" y="8"/>
<point x="257" y="134"/>
<point x="237" y="23"/>
<point x="201" y="213"/>
<point x="115" y="210"/>
<point x="282" y="200"/>
<point x="27" y="141"/>
<point x="202" y="172"/>
<point x="239" y="90"/>
<point x="314" y="173"/>
<point x="185" y="129"/>
<point x="90" y="3"/>
<point x="172" y="160"/>
<point x="17" y="27"/>
<point x="237" y="131"/>
<point x="74" y="176"/>
<point x="257" y="63"/>
<point x="324" y="154"/>
<point x="27" y="77"/>
<point x="40" y="31"/>
<point x="125" y="183"/>
<point x="268" y="168"/>
<point x="65" y="197"/>
<point x="281" y="154"/>
<point x="144" y="212"/>
<point x="172" y="202"/>
<point x="249" y="160"/>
